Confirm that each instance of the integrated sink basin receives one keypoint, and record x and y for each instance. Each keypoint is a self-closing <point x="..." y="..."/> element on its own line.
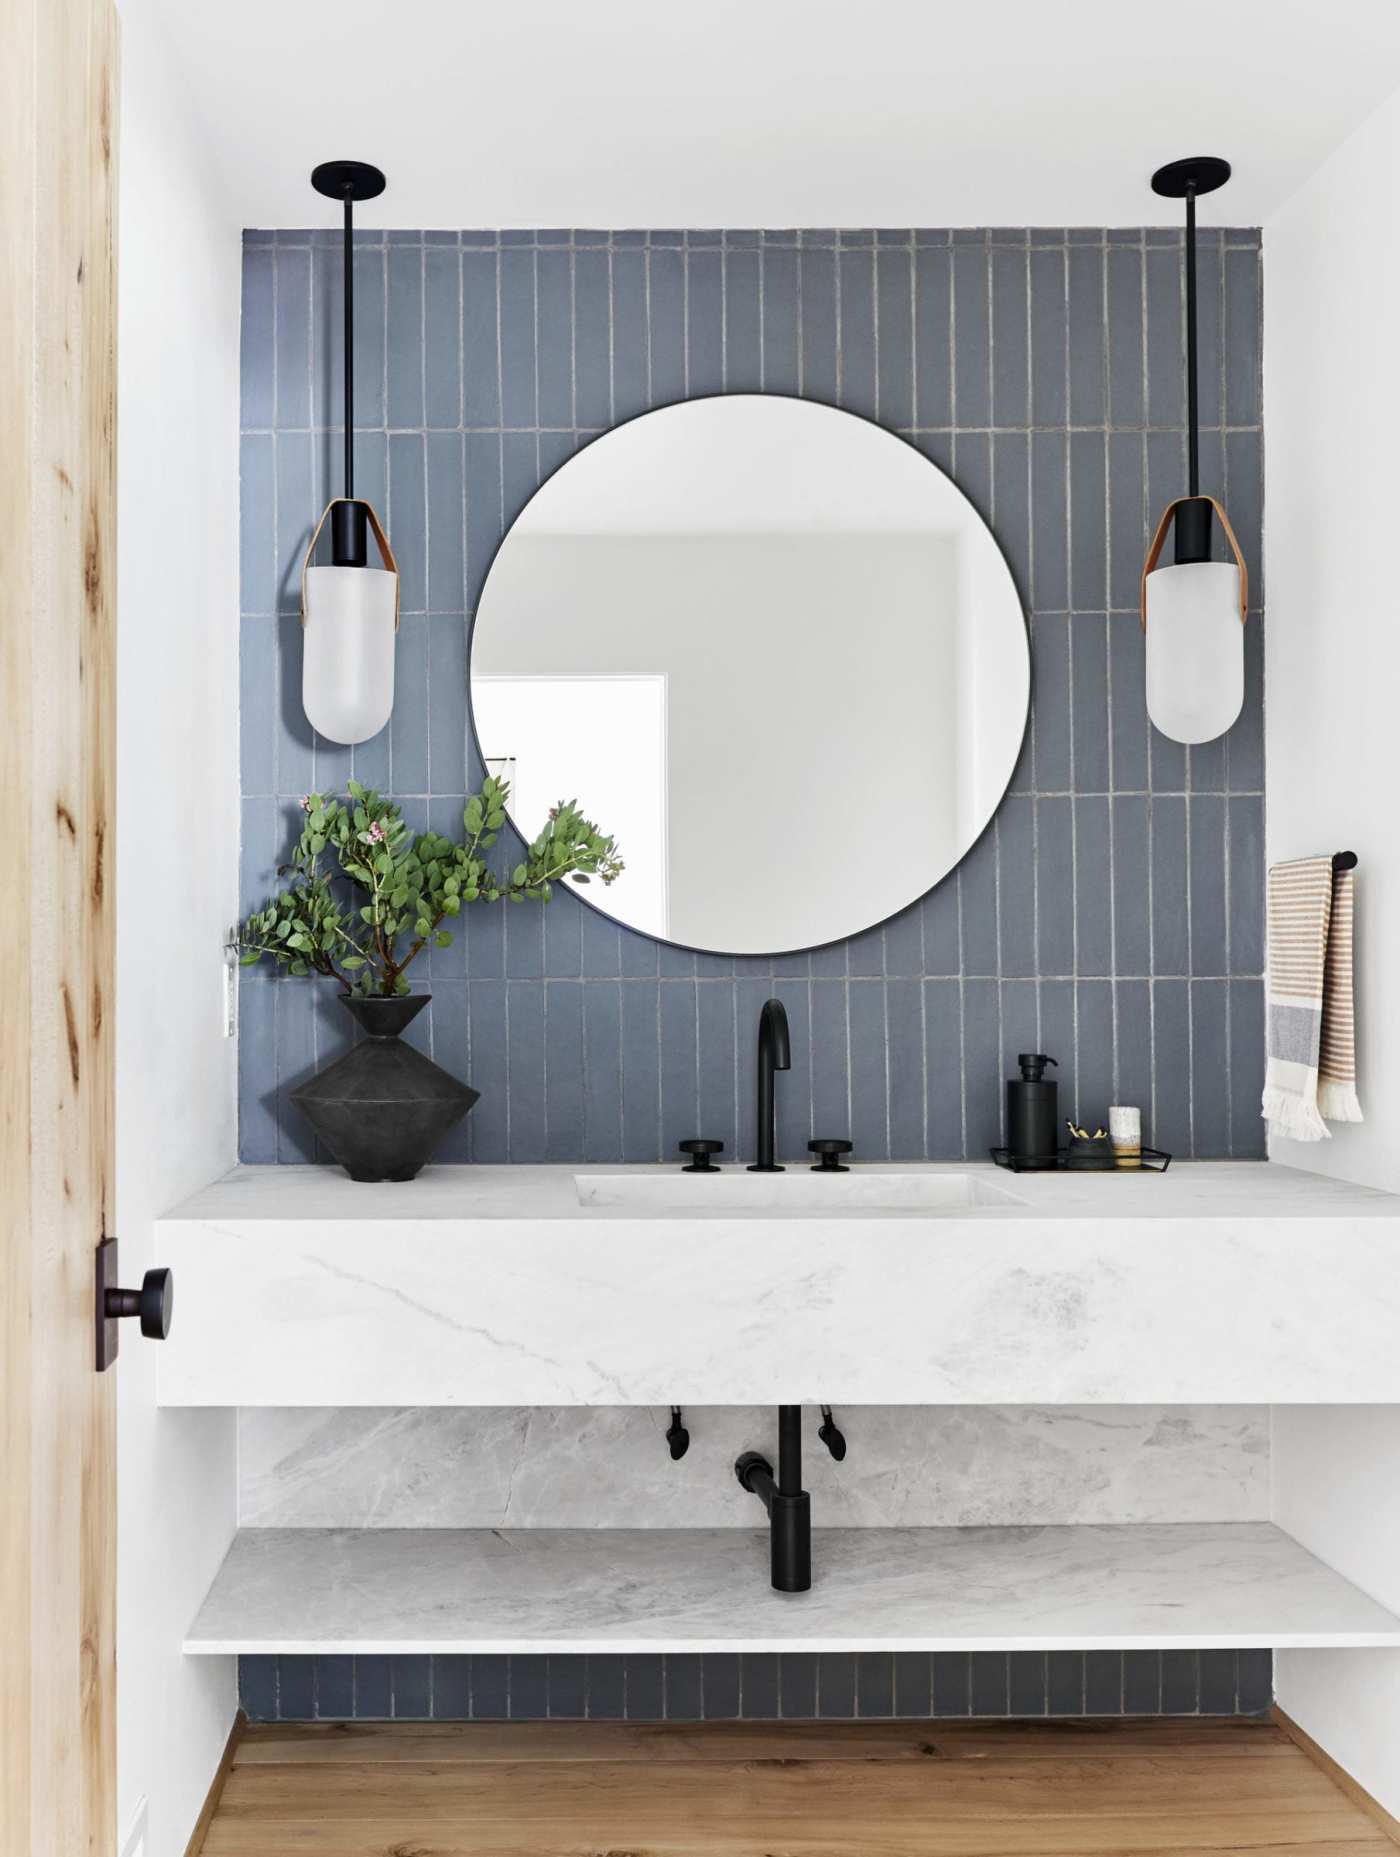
<point x="798" y="1190"/>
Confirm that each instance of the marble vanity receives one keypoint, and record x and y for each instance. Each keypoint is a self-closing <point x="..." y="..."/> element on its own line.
<point x="962" y="1287"/>
<point x="557" y="1286"/>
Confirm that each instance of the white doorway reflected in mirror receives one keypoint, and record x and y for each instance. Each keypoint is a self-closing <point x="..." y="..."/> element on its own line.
<point x="615" y="727"/>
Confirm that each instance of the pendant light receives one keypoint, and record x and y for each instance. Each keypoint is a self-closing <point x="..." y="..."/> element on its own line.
<point x="1193" y="610"/>
<point x="349" y="610"/>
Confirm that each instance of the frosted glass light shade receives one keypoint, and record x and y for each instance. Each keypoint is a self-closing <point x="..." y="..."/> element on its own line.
<point x="1195" y="649"/>
<point x="347" y="670"/>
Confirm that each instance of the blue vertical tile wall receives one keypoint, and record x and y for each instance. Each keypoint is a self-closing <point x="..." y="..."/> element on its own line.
<point x="1112" y="912"/>
<point x="793" y="1686"/>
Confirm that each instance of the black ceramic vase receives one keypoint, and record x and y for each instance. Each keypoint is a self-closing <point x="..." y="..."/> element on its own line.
<point x="383" y="1108"/>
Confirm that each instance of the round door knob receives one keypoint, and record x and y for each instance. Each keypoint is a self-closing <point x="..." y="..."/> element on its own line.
<point x="700" y="1152"/>
<point x="830" y="1152"/>
<point x="153" y="1303"/>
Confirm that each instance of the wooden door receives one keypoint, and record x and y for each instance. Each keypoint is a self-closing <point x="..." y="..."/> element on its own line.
<point x="58" y="118"/>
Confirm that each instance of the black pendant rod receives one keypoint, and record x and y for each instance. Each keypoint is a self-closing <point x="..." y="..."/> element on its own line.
<point x="350" y="347"/>
<point x="1193" y="437"/>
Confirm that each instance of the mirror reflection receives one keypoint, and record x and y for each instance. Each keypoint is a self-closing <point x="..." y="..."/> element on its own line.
<point x="774" y="649"/>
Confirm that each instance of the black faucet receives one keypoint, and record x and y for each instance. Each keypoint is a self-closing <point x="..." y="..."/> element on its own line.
<point x="774" y="1053"/>
<point x="788" y="1504"/>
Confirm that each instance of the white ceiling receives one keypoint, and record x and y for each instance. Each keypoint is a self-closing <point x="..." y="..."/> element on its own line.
<point x="775" y="112"/>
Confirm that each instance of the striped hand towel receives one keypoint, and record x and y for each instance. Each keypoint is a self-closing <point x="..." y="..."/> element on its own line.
<point x="1311" y="1072"/>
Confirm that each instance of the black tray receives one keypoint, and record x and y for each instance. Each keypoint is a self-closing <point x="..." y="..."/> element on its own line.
<point x="1154" y="1161"/>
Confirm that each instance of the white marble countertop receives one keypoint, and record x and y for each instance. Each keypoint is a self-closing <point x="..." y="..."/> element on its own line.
<point x="1215" y="1283"/>
<point x="1251" y="1190"/>
<point x="1205" y="1585"/>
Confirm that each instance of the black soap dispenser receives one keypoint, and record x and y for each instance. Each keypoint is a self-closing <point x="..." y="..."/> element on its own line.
<point x="1032" y="1114"/>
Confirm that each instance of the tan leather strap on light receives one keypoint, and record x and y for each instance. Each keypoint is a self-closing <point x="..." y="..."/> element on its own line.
<point x="1160" y="537"/>
<point x="386" y="553"/>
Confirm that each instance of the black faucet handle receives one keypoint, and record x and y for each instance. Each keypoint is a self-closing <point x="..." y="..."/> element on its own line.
<point x="677" y="1437"/>
<point x="830" y="1152"/>
<point x="831" y="1436"/>
<point x="700" y="1152"/>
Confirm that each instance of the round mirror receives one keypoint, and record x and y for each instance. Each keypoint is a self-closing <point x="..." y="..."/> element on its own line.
<point x="773" y="650"/>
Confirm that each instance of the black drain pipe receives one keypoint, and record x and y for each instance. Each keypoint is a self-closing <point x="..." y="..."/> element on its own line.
<point x="788" y="1504"/>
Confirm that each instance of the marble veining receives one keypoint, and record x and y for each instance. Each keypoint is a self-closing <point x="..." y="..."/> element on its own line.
<point x="608" y="1466"/>
<point x="401" y="1591"/>
<point x="1217" y="1283"/>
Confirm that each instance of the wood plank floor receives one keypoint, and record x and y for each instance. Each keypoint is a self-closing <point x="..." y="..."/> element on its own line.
<point x="889" y="1789"/>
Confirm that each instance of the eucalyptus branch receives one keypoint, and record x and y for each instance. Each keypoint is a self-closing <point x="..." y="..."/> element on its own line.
<point x="412" y="883"/>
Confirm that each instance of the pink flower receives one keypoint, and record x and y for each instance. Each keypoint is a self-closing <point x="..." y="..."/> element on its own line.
<point x="376" y="833"/>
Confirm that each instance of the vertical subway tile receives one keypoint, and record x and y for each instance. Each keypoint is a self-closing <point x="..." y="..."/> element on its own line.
<point x="942" y="1108"/>
<point x="1048" y="337"/>
<point x="447" y="704"/>
<point x="1127" y="521"/>
<point x="836" y="1684"/>
<point x="1016" y="882"/>
<point x="1010" y="343"/>
<point x="1242" y="367"/>
<point x="257" y="344"/>
<point x="913" y="1685"/>
<point x="797" y="1678"/>
<point x="1170" y="913"/>
<point x="1089" y="679"/>
<point x="1094" y="1070"/>
<point x="933" y="385"/>
<point x="904" y="1062"/>
<point x="1166" y="339"/>
<point x="446" y="540"/>
<point x="1093" y="885"/>
<point x="592" y="339"/>
<point x="990" y="1684"/>
<point x="525" y="1034"/>
<point x="1254" y="1681"/>
<point x="1103" y="1683"/>
<point x="442" y="331"/>
<point x="1210" y="1069"/>
<point x="631" y="384"/>
<point x="554" y="360"/>
<point x="1245" y="836"/>
<point x="952" y="1683"/>
<point x="1209" y="926"/>
<point x="781" y="346"/>
<point x="482" y="338"/>
<point x="410" y="1687"/>
<point x="1011" y="505"/>
<point x="1126" y="406"/>
<point x="1128" y="725"/>
<point x="972" y="347"/>
<point x="1064" y="1683"/>
<point x="646" y="1688"/>
<point x="894" y="283"/>
<point x="758" y="1683"/>
<point x="1088" y="522"/>
<point x="1028" y="1683"/>
<point x="1181" y="1677"/>
<point x="373" y="1689"/>
<point x="721" y="1686"/>
<point x="817" y="287"/>
<point x="403" y="337"/>
<point x="1049" y="512"/>
<point x="482" y="495"/>
<point x="529" y="1688"/>
<point x="1246" y="1069"/>
<point x="490" y="1688"/>
<point x="293" y="339"/>
<point x="641" y="1074"/>
<point x="981" y="1065"/>
<point x="1053" y="854"/>
<point x="567" y="1679"/>
<point x="870" y="1111"/>
<point x="1132" y="1034"/>
<point x="875" y="1684"/>
<point x="679" y="1063"/>
<point x="743" y="322"/>
<point x="296" y="1688"/>
<point x="519" y="404"/>
<point x="1217" y="1682"/>
<point x="830" y="1058"/>
<point x="1088" y="350"/>
<point x="1142" y="1682"/>
<point x="857" y="359"/>
<point x="666" y="322"/>
<point x="704" y="322"/>
<point x="564" y="1070"/>
<point x="1051" y="702"/>
<point x="684" y="1700"/>
<point x="1171" y="1066"/>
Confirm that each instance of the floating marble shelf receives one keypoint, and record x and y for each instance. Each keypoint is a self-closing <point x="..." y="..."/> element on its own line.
<point x="1219" y="1585"/>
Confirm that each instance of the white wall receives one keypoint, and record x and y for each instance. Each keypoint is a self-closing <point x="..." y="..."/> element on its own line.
<point x="177" y="835"/>
<point x="1331" y="390"/>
